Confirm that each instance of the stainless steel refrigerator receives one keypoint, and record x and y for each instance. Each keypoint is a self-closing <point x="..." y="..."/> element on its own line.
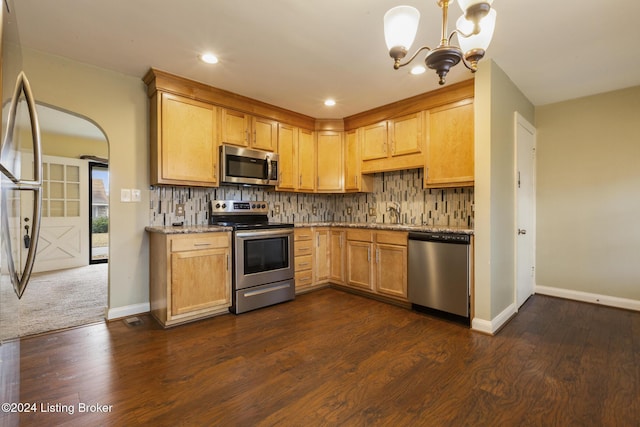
<point x="20" y="201"/>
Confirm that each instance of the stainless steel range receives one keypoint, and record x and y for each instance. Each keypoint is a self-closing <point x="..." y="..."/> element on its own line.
<point x="263" y="271"/>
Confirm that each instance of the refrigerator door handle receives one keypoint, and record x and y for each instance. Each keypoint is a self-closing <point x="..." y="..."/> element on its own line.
<point x="20" y="281"/>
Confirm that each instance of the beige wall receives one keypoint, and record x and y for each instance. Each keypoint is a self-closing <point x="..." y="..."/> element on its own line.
<point x="588" y="194"/>
<point x="496" y="101"/>
<point x="118" y="104"/>
<point x="55" y="144"/>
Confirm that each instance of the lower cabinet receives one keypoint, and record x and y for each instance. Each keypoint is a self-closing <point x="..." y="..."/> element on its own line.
<point x="303" y="258"/>
<point x="377" y="262"/>
<point x="337" y="253"/>
<point x="189" y="276"/>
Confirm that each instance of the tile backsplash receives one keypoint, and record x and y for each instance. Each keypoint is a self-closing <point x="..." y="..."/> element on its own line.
<point x="452" y="207"/>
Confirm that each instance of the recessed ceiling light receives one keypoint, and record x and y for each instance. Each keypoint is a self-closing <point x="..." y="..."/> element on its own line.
<point x="330" y="102"/>
<point x="209" y="58"/>
<point x="418" y="69"/>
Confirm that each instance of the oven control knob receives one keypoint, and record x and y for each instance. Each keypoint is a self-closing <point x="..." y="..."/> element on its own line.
<point x="217" y="205"/>
<point x="264" y="206"/>
<point x="224" y="206"/>
<point x="253" y="206"/>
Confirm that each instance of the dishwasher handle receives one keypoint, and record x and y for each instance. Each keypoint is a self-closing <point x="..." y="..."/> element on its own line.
<point x="443" y="237"/>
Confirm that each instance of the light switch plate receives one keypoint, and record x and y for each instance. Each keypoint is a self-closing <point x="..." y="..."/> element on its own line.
<point x="125" y="195"/>
<point x="136" y="196"/>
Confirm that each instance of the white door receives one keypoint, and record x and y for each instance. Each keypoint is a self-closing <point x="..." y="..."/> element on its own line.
<point x="64" y="231"/>
<point x="525" y="232"/>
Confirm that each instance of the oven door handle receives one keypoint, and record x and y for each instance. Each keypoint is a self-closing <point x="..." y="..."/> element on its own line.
<point x="264" y="233"/>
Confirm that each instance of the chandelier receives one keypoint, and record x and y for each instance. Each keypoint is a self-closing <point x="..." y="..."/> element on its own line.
<point x="474" y="29"/>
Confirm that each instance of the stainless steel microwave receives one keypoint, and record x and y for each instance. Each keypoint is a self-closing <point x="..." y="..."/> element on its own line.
<point x="247" y="166"/>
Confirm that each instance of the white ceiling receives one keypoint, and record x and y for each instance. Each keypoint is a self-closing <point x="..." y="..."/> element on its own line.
<point x="296" y="53"/>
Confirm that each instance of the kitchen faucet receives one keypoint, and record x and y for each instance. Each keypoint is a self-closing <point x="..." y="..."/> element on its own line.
<point x="394" y="211"/>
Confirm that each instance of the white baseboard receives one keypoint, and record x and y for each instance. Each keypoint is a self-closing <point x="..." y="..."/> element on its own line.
<point x="127" y="310"/>
<point x="628" y="304"/>
<point x="492" y="326"/>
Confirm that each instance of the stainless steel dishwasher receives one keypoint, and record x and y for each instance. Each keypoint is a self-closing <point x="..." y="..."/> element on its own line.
<point x="439" y="272"/>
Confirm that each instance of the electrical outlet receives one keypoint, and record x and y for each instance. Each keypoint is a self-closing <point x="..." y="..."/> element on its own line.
<point x="179" y="209"/>
<point x="349" y="210"/>
<point x="314" y="210"/>
<point x="372" y="211"/>
<point x="276" y="209"/>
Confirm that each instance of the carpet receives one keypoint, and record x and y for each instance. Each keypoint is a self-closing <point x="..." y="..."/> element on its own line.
<point x="55" y="300"/>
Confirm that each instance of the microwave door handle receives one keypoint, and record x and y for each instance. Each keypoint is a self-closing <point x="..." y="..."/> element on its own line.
<point x="269" y="169"/>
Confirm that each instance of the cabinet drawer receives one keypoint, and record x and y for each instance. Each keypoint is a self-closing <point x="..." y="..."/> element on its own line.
<point x="392" y="237"/>
<point x="302" y="248"/>
<point x="197" y="242"/>
<point x="361" y="235"/>
<point x="304" y="278"/>
<point x="302" y="234"/>
<point x="303" y="263"/>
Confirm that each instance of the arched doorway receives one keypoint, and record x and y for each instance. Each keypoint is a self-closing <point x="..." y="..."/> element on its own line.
<point x="67" y="289"/>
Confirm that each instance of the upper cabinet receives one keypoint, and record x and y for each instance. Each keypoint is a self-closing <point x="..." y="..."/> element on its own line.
<point x="306" y="160"/>
<point x="450" y="147"/>
<point x="288" y="162"/>
<point x="245" y="130"/>
<point x="296" y="154"/>
<point x="353" y="179"/>
<point x="393" y="144"/>
<point x="184" y="147"/>
<point x="329" y="155"/>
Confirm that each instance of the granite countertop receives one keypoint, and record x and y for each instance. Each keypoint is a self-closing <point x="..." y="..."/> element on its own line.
<point x="187" y="229"/>
<point x="391" y="227"/>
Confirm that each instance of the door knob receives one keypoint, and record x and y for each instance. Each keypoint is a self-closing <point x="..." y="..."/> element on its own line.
<point x="522" y="231"/>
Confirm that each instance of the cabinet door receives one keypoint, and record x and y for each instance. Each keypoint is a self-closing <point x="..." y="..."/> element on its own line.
<point x="351" y="159"/>
<point x="306" y="160"/>
<point x="406" y="134"/>
<point x="265" y="134"/>
<point x="188" y="149"/>
<point x="374" y="141"/>
<point x="199" y="280"/>
<point x="337" y="253"/>
<point x="235" y="127"/>
<point x="391" y="270"/>
<point x="287" y="141"/>
<point x="359" y="264"/>
<point x="321" y="256"/>
<point x="449" y="157"/>
<point x="329" y="156"/>
<point x="353" y="178"/>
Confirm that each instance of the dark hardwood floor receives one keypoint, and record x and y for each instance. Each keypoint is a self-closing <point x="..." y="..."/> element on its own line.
<point x="333" y="358"/>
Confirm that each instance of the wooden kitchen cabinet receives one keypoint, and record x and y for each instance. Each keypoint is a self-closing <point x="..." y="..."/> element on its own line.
<point x="450" y="146"/>
<point x="337" y="251"/>
<point x="329" y="152"/>
<point x="184" y="145"/>
<point x="359" y="265"/>
<point x="303" y="258"/>
<point x="377" y="262"/>
<point x="306" y="160"/>
<point x="245" y="130"/>
<point x="391" y="263"/>
<point x="288" y="161"/>
<point x="353" y="178"/>
<point x="321" y="256"/>
<point x="189" y="276"/>
<point x="393" y="144"/>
